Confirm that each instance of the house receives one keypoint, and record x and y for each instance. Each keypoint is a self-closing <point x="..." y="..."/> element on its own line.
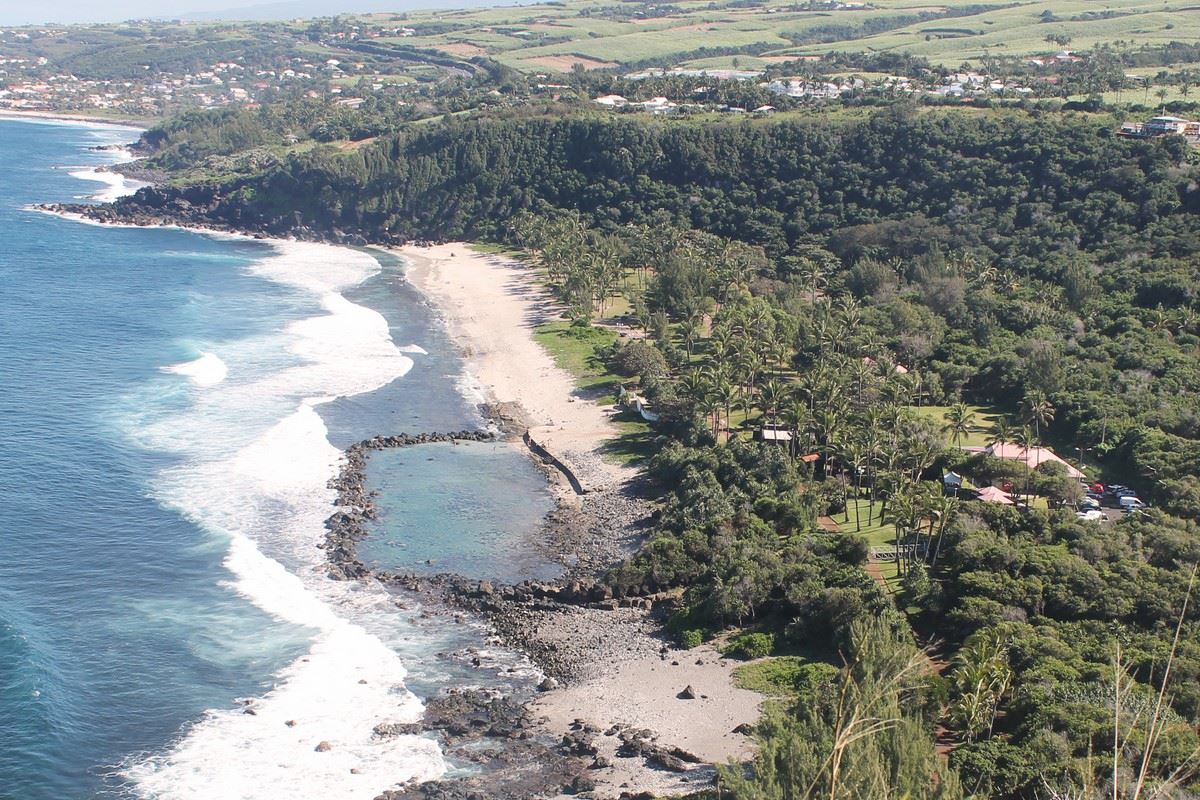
<point x="611" y="100"/>
<point x="773" y="434"/>
<point x="1032" y="457"/>
<point x="1162" y="126"/>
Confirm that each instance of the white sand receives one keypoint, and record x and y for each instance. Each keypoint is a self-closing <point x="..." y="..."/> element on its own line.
<point x="491" y="305"/>
<point x="643" y="693"/>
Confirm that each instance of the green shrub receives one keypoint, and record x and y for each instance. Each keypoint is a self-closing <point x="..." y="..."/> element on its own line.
<point x="691" y="638"/>
<point x="750" y="645"/>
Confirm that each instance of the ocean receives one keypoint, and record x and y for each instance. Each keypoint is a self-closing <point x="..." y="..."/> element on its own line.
<point x="172" y="406"/>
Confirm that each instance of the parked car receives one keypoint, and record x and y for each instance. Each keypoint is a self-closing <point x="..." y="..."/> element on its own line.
<point x="1089" y="503"/>
<point x="1092" y="515"/>
<point x="1129" y="502"/>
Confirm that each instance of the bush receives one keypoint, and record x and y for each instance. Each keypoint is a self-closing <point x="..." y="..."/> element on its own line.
<point x="691" y="638"/>
<point x="640" y="358"/>
<point x="750" y="645"/>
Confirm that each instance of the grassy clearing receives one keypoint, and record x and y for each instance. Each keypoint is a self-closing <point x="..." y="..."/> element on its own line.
<point x="496" y="250"/>
<point x="784" y="677"/>
<point x="980" y="434"/>
<point x="634" y="445"/>
<point x="574" y="348"/>
<point x="774" y="677"/>
<point x="876" y="531"/>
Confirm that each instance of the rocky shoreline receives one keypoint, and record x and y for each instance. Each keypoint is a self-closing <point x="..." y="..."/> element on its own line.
<point x="570" y="629"/>
<point x="199" y="208"/>
<point x="574" y="629"/>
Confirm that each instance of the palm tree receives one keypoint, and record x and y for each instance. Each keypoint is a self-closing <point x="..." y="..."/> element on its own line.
<point x="960" y="421"/>
<point x="1039" y="412"/>
<point x="799" y="419"/>
<point x="906" y="516"/>
<point x="872" y="443"/>
<point x="690" y="330"/>
<point x="771" y="398"/>
<point x="853" y="458"/>
<point x="813" y="275"/>
<point x="1002" y="430"/>
<point x="1026" y="440"/>
<point x="981" y="678"/>
<point x="946" y="508"/>
<point x="726" y="392"/>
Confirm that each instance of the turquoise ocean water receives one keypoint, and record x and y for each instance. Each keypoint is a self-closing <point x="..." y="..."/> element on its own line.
<point x="171" y="408"/>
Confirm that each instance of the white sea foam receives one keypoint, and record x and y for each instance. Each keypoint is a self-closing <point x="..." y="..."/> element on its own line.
<point x="257" y="462"/>
<point x="207" y="370"/>
<point x="115" y="185"/>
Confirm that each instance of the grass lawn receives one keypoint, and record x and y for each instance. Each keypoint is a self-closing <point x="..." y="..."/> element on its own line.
<point x="574" y="349"/>
<point x="774" y="677"/>
<point x="980" y="434"/>
<point x="635" y="443"/>
<point x="877" y="532"/>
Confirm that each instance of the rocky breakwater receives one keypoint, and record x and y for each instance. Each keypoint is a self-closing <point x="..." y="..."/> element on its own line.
<point x="356" y="506"/>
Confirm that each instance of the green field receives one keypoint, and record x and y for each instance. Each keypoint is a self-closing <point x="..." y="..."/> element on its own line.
<point x="980" y="434"/>
<point x="593" y="33"/>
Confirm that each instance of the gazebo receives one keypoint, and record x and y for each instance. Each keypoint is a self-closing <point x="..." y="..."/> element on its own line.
<point x="990" y="494"/>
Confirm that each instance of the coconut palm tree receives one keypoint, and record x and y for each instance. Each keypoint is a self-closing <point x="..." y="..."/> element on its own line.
<point x="1002" y="430"/>
<point x="726" y="393"/>
<point x="799" y="421"/>
<point x="1026" y="439"/>
<point x="771" y="398"/>
<point x="853" y="459"/>
<point x="945" y="507"/>
<point x="960" y="421"/>
<point x="1038" y="412"/>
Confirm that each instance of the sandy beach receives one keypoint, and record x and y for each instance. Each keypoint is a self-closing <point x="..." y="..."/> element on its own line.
<point x="491" y="305"/>
<point x="632" y="678"/>
<point x="13" y="113"/>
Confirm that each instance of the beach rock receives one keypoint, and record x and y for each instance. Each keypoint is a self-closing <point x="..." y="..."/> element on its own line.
<point x="688" y="693"/>
<point x="664" y="760"/>
<point x="548" y="684"/>
<point x="323" y="747"/>
<point x="580" y="784"/>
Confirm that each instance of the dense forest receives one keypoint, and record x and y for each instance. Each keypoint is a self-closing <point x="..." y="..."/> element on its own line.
<point x="832" y="280"/>
<point x="1043" y="254"/>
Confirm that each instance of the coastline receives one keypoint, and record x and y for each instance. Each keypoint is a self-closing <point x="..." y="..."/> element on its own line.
<point x="624" y="696"/>
<point x="621" y="706"/>
<point x="55" y="116"/>
<point x="491" y="305"/>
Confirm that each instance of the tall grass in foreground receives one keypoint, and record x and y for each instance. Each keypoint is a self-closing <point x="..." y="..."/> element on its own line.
<point x="862" y="735"/>
<point x="866" y="734"/>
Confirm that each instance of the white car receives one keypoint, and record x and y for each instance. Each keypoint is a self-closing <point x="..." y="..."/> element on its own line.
<point x="1088" y="504"/>
<point x="1092" y="515"/>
